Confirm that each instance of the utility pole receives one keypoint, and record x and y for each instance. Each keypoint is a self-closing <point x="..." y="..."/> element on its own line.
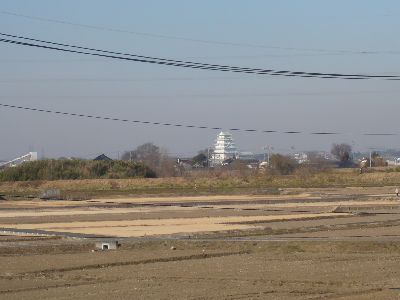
<point x="267" y="150"/>
<point x="370" y="155"/>
<point x="265" y="154"/>
<point x="370" y="158"/>
<point x="208" y="157"/>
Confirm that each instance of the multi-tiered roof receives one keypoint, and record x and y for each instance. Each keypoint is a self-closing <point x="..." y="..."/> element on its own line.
<point x="224" y="148"/>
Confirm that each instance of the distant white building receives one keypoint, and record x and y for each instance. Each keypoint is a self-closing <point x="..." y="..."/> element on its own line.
<point x="224" y="148"/>
<point x="393" y="162"/>
<point x="301" y="158"/>
<point x="31" y="156"/>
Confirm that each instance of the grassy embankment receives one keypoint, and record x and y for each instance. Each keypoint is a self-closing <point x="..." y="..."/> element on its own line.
<point x="214" y="183"/>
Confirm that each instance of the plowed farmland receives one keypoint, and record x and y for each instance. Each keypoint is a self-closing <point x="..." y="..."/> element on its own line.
<point x="311" y="244"/>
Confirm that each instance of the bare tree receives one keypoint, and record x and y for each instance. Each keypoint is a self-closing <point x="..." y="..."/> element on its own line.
<point x="147" y="153"/>
<point x="200" y="159"/>
<point x="282" y="164"/>
<point x="342" y="152"/>
<point x="153" y="157"/>
<point x="377" y="160"/>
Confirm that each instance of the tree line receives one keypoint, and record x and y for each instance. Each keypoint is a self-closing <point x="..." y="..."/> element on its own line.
<point x="149" y="160"/>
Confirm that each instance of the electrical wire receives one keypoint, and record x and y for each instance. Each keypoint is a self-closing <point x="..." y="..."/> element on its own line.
<point x="191" y="126"/>
<point x="213" y="42"/>
<point x="169" y="62"/>
<point x="185" y="64"/>
<point x="176" y="95"/>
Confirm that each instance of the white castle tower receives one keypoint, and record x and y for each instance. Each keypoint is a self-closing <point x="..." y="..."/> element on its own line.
<point x="224" y="148"/>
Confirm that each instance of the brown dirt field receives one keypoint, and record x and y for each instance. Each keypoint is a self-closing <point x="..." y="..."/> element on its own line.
<point x="292" y="246"/>
<point x="183" y="199"/>
<point x="85" y="211"/>
<point x="137" y="228"/>
<point x="208" y="270"/>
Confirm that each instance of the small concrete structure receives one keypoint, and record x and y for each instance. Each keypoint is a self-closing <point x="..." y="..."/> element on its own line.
<point x="50" y="194"/>
<point x="107" y="245"/>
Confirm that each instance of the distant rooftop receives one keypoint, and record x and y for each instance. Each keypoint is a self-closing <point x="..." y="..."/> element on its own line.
<point x="102" y="157"/>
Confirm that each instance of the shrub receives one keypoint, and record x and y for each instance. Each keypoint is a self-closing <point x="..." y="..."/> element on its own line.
<point x="75" y="169"/>
<point x="282" y="164"/>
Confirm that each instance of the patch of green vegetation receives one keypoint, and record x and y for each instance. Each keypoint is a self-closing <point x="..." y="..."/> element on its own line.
<point x="75" y="169"/>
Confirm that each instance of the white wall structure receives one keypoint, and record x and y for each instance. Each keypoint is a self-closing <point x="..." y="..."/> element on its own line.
<point x="107" y="245"/>
<point x="301" y="158"/>
<point x="31" y="156"/>
<point x="224" y="148"/>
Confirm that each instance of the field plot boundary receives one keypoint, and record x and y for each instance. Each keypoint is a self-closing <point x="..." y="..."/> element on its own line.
<point x="42" y="233"/>
<point x="156" y="227"/>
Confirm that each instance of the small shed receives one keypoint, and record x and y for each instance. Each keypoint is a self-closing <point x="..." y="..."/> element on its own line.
<point x="107" y="245"/>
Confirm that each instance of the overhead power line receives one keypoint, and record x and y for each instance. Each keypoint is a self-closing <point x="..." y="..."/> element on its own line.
<point x="179" y="63"/>
<point x="193" y="40"/>
<point x="190" y="126"/>
<point x="179" y="96"/>
<point x="147" y="122"/>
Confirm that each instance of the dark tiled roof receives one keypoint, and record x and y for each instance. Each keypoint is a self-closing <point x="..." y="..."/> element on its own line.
<point x="102" y="157"/>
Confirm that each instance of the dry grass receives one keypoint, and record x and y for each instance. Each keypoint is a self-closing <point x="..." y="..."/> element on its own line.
<point x="256" y="184"/>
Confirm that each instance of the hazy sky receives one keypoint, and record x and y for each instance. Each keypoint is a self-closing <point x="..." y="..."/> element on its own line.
<point x="342" y="29"/>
